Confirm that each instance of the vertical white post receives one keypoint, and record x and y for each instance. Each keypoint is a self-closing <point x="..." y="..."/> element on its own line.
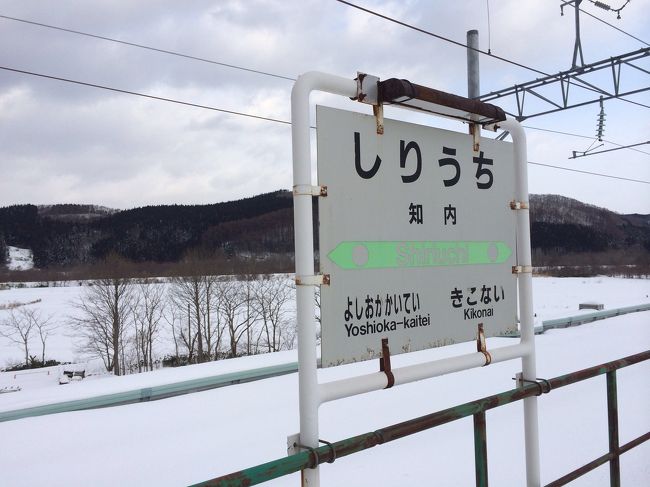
<point x="304" y="252"/>
<point x="525" y="281"/>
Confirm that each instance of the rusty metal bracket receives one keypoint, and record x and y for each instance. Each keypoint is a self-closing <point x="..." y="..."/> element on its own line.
<point x="308" y="190"/>
<point x="475" y="132"/>
<point x="481" y="345"/>
<point x="332" y="449"/>
<point x="384" y="363"/>
<point x="519" y="205"/>
<point x="367" y="89"/>
<point x="317" y="280"/>
<point x="521" y="269"/>
<point x="378" y="112"/>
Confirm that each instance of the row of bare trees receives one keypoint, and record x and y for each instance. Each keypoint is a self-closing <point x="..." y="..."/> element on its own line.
<point x="208" y="318"/>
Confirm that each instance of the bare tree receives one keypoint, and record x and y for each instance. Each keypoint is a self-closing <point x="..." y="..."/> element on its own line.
<point x="18" y="327"/>
<point x="189" y="292"/>
<point x="44" y="326"/>
<point x="271" y="295"/>
<point x="199" y="295"/>
<point x="232" y="300"/>
<point x="104" y="313"/>
<point x="148" y="312"/>
<point x="181" y="334"/>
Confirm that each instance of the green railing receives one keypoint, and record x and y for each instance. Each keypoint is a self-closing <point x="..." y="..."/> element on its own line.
<point x="329" y="453"/>
<point x="152" y="393"/>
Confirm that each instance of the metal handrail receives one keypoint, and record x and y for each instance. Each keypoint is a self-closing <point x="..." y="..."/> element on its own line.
<point x="330" y="452"/>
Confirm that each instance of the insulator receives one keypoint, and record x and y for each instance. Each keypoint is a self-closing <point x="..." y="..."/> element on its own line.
<point x="602" y="5"/>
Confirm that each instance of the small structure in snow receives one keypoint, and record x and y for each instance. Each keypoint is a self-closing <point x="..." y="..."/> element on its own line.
<point x="591" y="305"/>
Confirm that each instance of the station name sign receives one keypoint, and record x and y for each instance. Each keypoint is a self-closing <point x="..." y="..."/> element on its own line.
<point x="416" y="234"/>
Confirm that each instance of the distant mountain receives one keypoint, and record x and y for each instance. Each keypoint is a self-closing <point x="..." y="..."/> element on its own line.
<point x="262" y="226"/>
<point x="567" y="225"/>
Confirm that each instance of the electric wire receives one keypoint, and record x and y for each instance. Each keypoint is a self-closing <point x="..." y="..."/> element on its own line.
<point x="614" y="27"/>
<point x="143" y="95"/>
<point x="589" y="172"/>
<point x="583" y="137"/>
<point x="489" y="30"/>
<point x="248" y="115"/>
<point x="278" y="76"/>
<point x="579" y="83"/>
<point x="149" y="48"/>
<point x="590" y="153"/>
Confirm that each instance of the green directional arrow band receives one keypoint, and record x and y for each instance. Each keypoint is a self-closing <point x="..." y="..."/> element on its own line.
<point x="398" y="254"/>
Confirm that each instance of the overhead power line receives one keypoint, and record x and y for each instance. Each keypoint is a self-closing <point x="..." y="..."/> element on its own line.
<point x="248" y="115"/>
<point x="438" y="36"/>
<point x="589" y="172"/>
<point x="614" y="27"/>
<point x="584" y="137"/>
<point x="149" y="48"/>
<point x="143" y="95"/>
<point x="587" y="153"/>
<point x="576" y="82"/>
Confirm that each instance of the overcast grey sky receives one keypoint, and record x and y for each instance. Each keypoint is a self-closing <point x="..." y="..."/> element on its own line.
<point x="65" y="143"/>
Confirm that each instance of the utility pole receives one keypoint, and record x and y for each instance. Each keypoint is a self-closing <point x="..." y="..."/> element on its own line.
<point x="473" y="80"/>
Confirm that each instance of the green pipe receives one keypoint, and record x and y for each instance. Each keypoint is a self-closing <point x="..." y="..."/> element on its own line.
<point x="152" y="393"/>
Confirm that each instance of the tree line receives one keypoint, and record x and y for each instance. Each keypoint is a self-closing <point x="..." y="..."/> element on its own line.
<point x="208" y="318"/>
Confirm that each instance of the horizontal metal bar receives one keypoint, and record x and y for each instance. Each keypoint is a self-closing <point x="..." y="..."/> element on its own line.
<point x="330" y="391"/>
<point x="294" y="463"/>
<point x="579" y="472"/>
<point x="598" y="65"/>
<point x="152" y="393"/>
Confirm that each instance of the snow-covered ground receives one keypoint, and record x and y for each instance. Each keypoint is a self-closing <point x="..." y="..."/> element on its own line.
<point x="19" y="259"/>
<point x="187" y="439"/>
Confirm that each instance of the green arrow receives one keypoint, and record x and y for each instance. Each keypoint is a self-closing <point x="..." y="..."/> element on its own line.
<point x="397" y="254"/>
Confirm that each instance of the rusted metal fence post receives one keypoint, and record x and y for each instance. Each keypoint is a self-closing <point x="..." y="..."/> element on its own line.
<point x="480" y="450"/>
<point x="612" y="419"/>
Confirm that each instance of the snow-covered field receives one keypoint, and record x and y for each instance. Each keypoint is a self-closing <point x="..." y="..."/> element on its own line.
<point x="191" y="438"/>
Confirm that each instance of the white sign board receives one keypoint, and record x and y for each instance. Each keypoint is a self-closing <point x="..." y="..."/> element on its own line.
<point x="416" y="233"/>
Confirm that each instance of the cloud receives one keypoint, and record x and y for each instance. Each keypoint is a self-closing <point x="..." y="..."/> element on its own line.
<point x="67" y="143"/>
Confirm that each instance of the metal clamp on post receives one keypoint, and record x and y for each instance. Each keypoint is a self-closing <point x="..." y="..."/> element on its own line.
<point x="315" y="459"/>
<point x="543" y="385"/>
<point x="519" y="205"/>
<point x="317" y="280"/>
<point x="332" y="449"/>
<point x="308" y="190"/>
<point x="481" y="345"/>
<point x="384" y="363"/>
<point x="521" y="269"/>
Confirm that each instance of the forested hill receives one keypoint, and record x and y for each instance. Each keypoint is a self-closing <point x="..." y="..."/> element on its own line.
<point x="66" y="235"/>
<point x="262" y="226"/>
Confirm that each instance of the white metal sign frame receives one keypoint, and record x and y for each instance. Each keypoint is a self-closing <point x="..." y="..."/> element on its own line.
<point x="312" y="393"/>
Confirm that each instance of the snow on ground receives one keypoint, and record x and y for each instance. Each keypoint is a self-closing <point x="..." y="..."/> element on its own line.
<point x="19" y="259"/>
<point x="187" y="439"/>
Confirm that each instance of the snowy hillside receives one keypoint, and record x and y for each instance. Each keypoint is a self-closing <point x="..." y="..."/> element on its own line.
<point x="19" y="259"/>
